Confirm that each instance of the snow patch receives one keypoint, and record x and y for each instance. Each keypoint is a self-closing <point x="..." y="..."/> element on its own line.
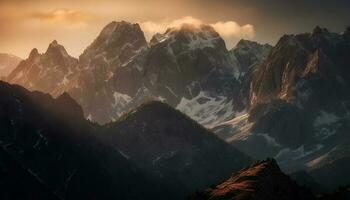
<point x="295" y="154"/>
<point x="206" y="109"/>
<point x="89" y="117"/>
<point x="171" y="91"/>
<point x="65" y="81"/>
<point x="164" y="156"/>
<point x="121" y="99"/>
<point x="197" y="42"/>
<point x="270" y="140"/>
<point x="124" y="155"/>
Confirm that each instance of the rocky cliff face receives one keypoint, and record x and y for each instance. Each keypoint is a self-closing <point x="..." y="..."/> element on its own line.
<point x="248" y="55"/>
<point x="298" y="105"/>
<point x="305" y="68"/>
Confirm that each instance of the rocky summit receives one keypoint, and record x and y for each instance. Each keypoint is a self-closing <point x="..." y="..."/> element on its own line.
<point x="45" y="72"/>
<point x="261" y="181"/>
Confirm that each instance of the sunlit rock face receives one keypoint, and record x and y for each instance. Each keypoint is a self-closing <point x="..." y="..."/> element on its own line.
<point x="45" y="72"/>
<point x="305" y="68"/>
<point x="249" y="56"/>
<point x="298" y="109"/>
<point x="261" y="181"/>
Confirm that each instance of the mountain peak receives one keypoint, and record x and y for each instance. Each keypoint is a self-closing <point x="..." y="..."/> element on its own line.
<point x="248" y="44"/>
<point x="249" y="54"/>
<point x="56" y="49"/>
<point x="175" y="144"/>
<point x="245" y="42"/>
<point x="34" y="53"/>
<point x="268" y="164"/>
<point x="347" y="30"/>
<point x="114" y="26"/>
<point x="322" y="35"/>
<point x="155" y="108"/>
<point x="191" y="37"/>
<point x="68" y="103"/>
<point x="116" y="40"/>
<point x="54" y="43"/>
<point x="319" y="30"/>
<point x="262" y="180"/>
<point x="44" y="72"/>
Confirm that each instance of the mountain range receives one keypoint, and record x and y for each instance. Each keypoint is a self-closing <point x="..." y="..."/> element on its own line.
<point x="172" y="116"/>
<point x="188" y="67"/>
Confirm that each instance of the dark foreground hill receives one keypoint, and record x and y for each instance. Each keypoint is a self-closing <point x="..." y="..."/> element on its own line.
<point x="155" y="152"/>
<point x="173" y="147"/>
<point x="50" y="139"/>
<point x="17" y="183"/>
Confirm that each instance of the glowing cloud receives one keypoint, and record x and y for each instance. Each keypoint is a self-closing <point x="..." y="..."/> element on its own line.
<point x="64" y="16"/>
<point x="232" y="29"/>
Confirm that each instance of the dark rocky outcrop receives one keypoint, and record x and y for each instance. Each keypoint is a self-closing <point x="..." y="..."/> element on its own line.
<point x="261" y="181"/>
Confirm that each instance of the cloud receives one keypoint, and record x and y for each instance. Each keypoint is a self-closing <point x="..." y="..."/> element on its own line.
<point x="67" y="16"/>
<point x="230" y="31"/>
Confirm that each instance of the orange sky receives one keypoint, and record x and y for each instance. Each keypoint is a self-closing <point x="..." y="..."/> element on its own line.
<point x="25" y="24"/>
